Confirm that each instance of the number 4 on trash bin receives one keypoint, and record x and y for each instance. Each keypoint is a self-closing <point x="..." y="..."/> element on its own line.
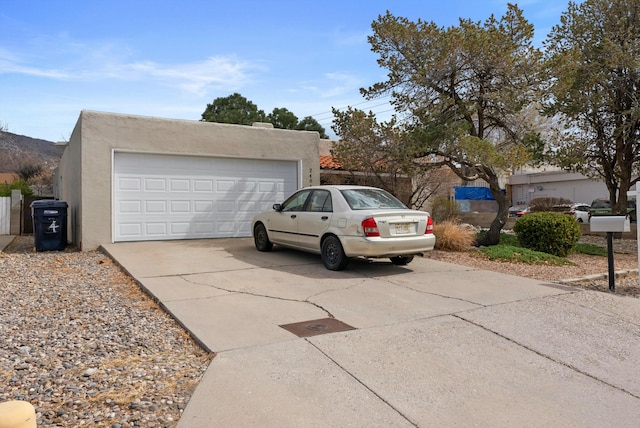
<point x="53" y="227"/>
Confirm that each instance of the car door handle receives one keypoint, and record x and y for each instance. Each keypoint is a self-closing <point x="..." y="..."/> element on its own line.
<point x="324" y="217"/>
<point x="293" y="216"/>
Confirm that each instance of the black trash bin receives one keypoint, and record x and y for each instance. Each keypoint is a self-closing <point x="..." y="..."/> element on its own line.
<point x="49" y="224"/>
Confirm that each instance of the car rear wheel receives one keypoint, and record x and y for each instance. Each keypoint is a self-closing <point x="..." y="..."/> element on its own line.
<point x="401" y="260"/>
<point x="261" y="239"/>
<point x="333" y="255"/>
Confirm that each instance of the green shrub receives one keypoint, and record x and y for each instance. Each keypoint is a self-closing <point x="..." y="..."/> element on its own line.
<point x="444" y="209"/>
<point x="5" y="189"/>
<point x="551" y="233"/>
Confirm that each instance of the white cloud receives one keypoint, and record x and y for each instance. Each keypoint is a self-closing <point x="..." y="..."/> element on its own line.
<point x="197" y="77"/>
<point x="108" y="62"/>
<point x="332" y="85"/>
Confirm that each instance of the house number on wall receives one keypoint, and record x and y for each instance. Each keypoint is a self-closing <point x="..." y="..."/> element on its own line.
<point x="310" y="176"/>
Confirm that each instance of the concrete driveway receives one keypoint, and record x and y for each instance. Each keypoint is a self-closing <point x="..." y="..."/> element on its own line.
<point x="428" y="344"/>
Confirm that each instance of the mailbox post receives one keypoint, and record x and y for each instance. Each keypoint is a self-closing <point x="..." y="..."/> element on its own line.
<point x="610" y="224"/>
<point x="634" y="194"/>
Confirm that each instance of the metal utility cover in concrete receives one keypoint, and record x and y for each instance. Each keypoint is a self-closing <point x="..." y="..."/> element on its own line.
<point x="317" y="327"/>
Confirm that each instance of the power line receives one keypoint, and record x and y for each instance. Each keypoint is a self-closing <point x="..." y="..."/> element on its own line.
<point x="330" y="113"/>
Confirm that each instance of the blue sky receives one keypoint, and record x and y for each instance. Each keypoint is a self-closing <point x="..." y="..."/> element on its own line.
<point x="171" y="58"/>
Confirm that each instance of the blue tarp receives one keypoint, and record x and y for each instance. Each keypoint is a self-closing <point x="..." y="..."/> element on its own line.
<point x="473" y="193"/>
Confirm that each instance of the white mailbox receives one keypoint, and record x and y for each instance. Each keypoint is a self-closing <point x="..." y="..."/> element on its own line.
<point x="610" y="223"/>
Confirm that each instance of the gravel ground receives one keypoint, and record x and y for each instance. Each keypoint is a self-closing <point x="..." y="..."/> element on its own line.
<point x="86" y="347"/>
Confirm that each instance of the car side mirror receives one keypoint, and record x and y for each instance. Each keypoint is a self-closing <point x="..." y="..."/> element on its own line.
<point x="277" y="207"/>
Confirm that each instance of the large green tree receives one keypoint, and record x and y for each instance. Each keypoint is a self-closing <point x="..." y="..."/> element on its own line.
<point x="308" y="123"/>
<point x="238" y="110"/>
<point x="233" y="109"/>
<point x="593" y="60"/>
<point x="282" y="118"/>
<point x="461" y="89"/>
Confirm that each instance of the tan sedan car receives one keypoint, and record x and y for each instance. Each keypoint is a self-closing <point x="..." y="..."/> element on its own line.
<point x="342" y="222"/>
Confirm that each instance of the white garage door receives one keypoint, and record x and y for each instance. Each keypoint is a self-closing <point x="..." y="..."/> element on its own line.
<point x="158" y="197"/>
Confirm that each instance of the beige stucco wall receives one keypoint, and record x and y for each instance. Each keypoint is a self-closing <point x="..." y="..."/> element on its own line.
<point x="325" y="147"/>
<point x="85" y="171"/>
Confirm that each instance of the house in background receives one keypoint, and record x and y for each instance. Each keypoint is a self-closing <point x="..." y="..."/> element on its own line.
<point x="134" y="178"/>
<point x="332" y="172"/>
<point x="553" y="182"/>
<point x="441" y="181"/>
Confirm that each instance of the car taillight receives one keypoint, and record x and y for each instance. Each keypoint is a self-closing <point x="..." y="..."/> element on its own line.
<point x="370" y="227"/>
<point x="429" y="228"/>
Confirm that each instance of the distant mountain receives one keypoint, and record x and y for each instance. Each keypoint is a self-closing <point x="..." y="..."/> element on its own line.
<point x="17" y="151"/>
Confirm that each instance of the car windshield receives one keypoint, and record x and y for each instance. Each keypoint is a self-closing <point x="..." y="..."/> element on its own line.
<point x="369" y="199"/>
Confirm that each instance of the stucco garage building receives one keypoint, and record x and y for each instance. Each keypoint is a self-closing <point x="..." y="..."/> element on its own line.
<point x="133" y="178"/>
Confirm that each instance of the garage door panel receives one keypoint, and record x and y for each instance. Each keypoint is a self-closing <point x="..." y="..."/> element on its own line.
<point x="204" y="227"/>
<point x="182" y="197"/>
<point x="225" y="207"/>
<point x="224" y="185"/>
<point x="179" y="185"/>
<point x="155" y="229"/>
<point x="159" y="207"/>
<point x="203" y="207"/>
<point x="203" y="185"/>
<point x="155" y="184"/>
<point x="130" y="229"/>
<point x="225" y="228"/>
<point x="180" y="207"/>
<point x="180" y="229"/>
<point x="268" y="187"/>
<point x="130" y="184"/>
<point x="130" y="207"/>
<point x="245" y="227"/>
<point x="246" y="207"/>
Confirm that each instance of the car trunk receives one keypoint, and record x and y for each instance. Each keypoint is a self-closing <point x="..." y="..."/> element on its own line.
<point x="397" y="224"/>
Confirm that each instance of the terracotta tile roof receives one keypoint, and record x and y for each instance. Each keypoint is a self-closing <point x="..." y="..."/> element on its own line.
<point x="328" y="162"/>
<point x="8" y="177"/>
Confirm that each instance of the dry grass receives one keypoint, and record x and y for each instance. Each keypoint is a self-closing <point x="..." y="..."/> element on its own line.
<point x="452" y="236"/>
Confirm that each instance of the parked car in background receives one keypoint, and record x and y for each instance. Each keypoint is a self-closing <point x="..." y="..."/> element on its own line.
<point x="518" y="211"/>
<point x="579" y="211"/>
<point x="602" y="206"/>
<point x="341" y="222"/>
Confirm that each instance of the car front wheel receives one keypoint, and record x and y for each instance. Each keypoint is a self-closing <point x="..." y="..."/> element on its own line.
<point x="333" y="255"/>
<point x="261" y="239"/>
<point x="401" y="260"/>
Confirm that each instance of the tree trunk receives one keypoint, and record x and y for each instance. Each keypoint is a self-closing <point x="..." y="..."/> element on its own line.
<point x="492" y="237"/>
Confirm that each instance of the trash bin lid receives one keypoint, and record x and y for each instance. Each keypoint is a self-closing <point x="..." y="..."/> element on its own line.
<point x="49" y="203"/>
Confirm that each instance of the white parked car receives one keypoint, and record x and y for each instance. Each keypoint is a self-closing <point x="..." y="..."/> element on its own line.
<point x="580" y="212"/>
<point x="341" y="222"/>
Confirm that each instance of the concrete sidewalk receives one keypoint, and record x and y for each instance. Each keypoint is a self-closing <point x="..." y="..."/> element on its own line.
<point x="432" y="344"/>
